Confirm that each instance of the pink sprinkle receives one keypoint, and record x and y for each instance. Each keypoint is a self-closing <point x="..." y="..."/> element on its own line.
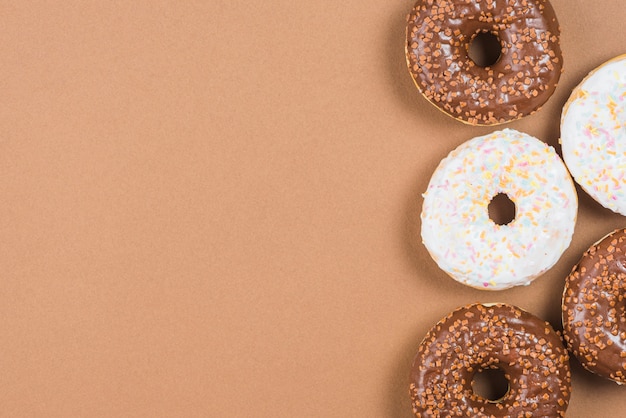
<point x="604" y="131"/>
<point x="485" y="284"/>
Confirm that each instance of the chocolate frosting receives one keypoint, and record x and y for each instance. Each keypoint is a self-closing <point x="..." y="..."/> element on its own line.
<point x="477" y="337"/>
<point x="525" y="76"/>
<point x="594" y="309"/>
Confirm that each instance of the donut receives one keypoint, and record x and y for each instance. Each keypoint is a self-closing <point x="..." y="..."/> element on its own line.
<point x="479" y="337"/>
<point x="458" y="232"/>
<point x="439" y="35"/>
<point x="594" y="308"/>
<point x="593" y="134"/>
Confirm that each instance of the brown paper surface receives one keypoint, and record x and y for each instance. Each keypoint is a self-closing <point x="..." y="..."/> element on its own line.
<point x="211" y="208"/>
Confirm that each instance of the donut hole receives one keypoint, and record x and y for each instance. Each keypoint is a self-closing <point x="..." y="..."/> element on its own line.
<point x="501" y="209"/>
<point x="490" y="384"/>
<point x="485" y="49"/>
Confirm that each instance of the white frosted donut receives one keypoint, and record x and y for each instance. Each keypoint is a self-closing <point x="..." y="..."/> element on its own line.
<point x="593" y="134"/>
<point x="457" y="229"/>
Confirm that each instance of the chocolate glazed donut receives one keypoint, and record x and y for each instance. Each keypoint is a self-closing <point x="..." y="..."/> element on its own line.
<point x="479" y="337"/>
<point x="439" y="34"/>
<point x="594" y="309"/>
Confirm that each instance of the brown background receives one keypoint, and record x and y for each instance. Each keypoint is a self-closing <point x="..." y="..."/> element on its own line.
<point x="212" y="208"/>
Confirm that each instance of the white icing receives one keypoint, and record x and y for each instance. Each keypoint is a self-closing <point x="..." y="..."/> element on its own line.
<point x="593" y="134"/>
<point x="457" y="230"/>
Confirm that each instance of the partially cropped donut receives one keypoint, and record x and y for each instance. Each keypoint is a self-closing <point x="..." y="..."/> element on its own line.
<point x="491" y="336"/>
<point x="458" y="232"/>
<point x="593" y="134"/>
<point x="594" y="308"/>
<point x="439" y="34"/>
